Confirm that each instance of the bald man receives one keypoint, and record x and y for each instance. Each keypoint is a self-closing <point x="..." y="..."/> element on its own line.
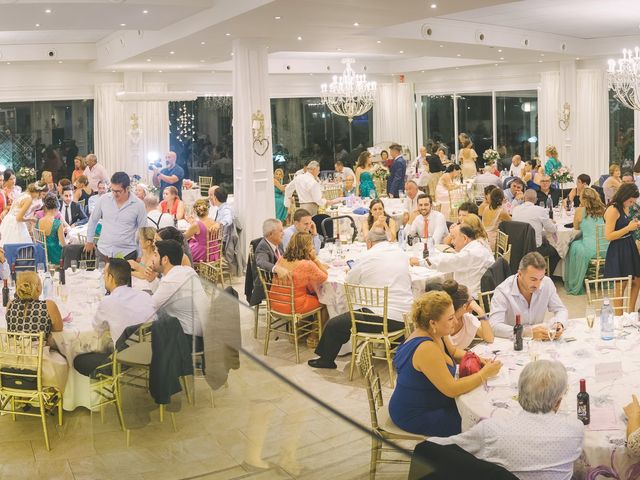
<point x="95" y="172"/>
<point x="213" y="209"/>
<point x="171" y="176"/>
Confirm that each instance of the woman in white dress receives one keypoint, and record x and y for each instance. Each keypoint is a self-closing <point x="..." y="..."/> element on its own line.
<point x="14" y="228"/>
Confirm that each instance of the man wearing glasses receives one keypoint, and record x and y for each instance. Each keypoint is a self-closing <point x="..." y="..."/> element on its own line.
<point x="172" y="175"/>
<point x="122" y="214"/>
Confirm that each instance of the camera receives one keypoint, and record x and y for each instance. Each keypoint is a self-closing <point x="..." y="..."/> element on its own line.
<point x="154" y="165"/>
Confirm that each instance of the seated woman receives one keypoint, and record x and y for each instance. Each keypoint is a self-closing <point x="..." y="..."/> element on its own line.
<point x="377" y="216"/>
<point x="141" y="191"/>
<point x="83" y="190"/>
<point x="494" y="215"/>
<point x="611" y="184"/>
<point x="47" y="179"/>
<point x="445" y="184"/>
<point x="172" y="203"/>
<point x="466" y="326"/>
<point x="485" y="203"/>
<point x="143" y="276"/>
<point x="53" y="229"/>
<point x="306" y="273"/>
<point x="172" y="233"/>
<point x="196" y="234"/>
<point x="475" y="223"/>
<point x="531" y="175"/>
<point x="588" y="216"/>
<point x="423" y="401"/>
<point x="583" y="181"/>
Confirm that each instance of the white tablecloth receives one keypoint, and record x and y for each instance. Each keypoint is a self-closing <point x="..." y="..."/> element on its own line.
<point x="605" y="436"/>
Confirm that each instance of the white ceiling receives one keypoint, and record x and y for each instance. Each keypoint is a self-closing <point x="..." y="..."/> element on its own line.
<point x="389" y="36"/>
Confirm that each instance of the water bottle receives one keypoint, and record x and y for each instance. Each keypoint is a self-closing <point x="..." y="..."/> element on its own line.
<point x="47" y="286"/>
<point x="606" y="320"/>
<point x="402" y="238"/>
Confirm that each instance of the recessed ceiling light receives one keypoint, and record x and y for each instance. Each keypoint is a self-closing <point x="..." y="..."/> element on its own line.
<point x="123" y="24"/>
<point x="201" y="61"/>
<point x="232" y="54"/>
<point x="539" y="61"/>
<point x="113" y="71"/>
<point x="499" y="50"/>
<point x="577" y="58"/>
<point x="495" y="64"/>
<point x="401" y="51"/>
<point x="458" y="55"/>
<point x="339" y="49"/>
<point x="356" y="24"/>
<point x="172" y="52"/>
<point x="144" y="12"/>
<point x="457" y="68"/>
<point x="501" y="58"/>
<point x="433" y="5"/>
<point x="48" y="10"/>
<point x="277" y="17"/>
<point x="159" y="71"/>
<point x="421" y="71"/>
<point x="299" y="38"/>
<point x="8" y="63"/>
<point x="37" y="24"/>
<point x="203" y="43"/>
<point x="59" y="61"/>
<point x="227" y="34"/>
<point x="148" y="59"/>
<point x="379" y="42"/>
<point x="441" y="46"/>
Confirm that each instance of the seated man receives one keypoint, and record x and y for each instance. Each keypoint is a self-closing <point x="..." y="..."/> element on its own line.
<point x="515" y="193"/>
<point x="469" y="262"/>
<point x="224" y="215"/>
<point x="342" y="172"/>
<point x="124" y="307"/>
<point x="410" y="202"/>
<point x="157" y="219"/>
<point x="302" y="222"/>
<point x="429" y="223"/>
<point x="266" y="254"/>
<point x="516" y="166"/>
<point x="93" y="199"/>
<point x="538" y="218"/>
<point x="488" y="177"/>
<point x="534" y="442"/>
<point x="547" y="192"/>
<point x="72" y="213"/>
<point x="180" y="293"/>
<point x="530" y="294"/>
<point x="384" y="264"/>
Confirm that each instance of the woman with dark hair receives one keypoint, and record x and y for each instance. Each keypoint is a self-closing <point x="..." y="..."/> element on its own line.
<point x="622" y="258"/>
<point x="493" y="215"/>
<point x="172" y="233"/>
<point x="384" y="156"/>
<point x="52" y="228"/>
<point x="378" y="217"/>
<point x="530" y="175"/>
<point x="364" y="176"/>
<point x="446" y="183"/>
<point x="487" y="193"/>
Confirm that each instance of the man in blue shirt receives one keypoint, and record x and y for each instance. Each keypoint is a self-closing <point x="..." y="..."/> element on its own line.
<point x="303" y="223"/>
<point x="122" y="214"/>
<point x="395" y="182"/>
<point x="172" y="175"/>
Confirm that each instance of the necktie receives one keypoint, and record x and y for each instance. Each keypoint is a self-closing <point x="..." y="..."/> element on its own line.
<point x="426" y="228"/>
<point x="67" y="216"/>
<point x="277" y="254"/>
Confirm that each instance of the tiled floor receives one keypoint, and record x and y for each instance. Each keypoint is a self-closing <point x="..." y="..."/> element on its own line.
<point x="255" y="412"/>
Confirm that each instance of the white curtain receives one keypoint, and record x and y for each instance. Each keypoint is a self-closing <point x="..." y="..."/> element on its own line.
<point x="394" y="116"/>
<point x="110" y="127"/>
<point x="592" y="124"/>
<point x="155" y="130"/>
<point x="549" y="105"/>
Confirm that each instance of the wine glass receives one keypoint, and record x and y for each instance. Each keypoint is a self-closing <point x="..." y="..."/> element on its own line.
<point x="552" y="331"/>
<point x="74" y="265"/>
<point x="590" y="315"/>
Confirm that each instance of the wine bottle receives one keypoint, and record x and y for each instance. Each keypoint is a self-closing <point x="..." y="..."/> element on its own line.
<point x="62" y="272"/>
<point x="13" y="272"/>
<point x="584" y="413"/>
<point x="517" y="332"/>
<point x="5" y="293"/>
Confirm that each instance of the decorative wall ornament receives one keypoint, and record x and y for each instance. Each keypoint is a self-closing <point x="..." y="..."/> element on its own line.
<point x="260" y="142"/>
<point x="134" y="132"/>
<point x="185" y="124"/>
<point x="565" y="117"/>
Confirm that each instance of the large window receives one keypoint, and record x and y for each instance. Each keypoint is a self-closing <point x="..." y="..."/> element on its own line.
<point x="304" y="129"/>
<point x="202" y="138"/>
<point x="45" y="135"/>
<point x="621" y="134"/>
<point x="437" y="121"/>
<point x="517" y="123"/>
<point x="476" y="120"/>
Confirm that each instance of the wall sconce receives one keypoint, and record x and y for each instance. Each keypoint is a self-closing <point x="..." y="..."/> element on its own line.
<point x="565" y="117"/>
<point x="260" y="143"/>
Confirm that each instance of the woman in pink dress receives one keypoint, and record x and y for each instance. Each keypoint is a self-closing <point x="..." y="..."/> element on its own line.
<point x="196" y="234"/>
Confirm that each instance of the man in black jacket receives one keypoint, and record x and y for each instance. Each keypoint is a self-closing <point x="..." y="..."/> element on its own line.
<point x="266" y="254"/>
<point x="71" y="211"/>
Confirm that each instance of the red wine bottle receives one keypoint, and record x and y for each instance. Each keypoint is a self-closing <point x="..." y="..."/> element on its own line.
<point x="5" y="293"/>
<point x="584" y="413"/>
<point x="517" y="332"/>
<point x="62" y="272"/>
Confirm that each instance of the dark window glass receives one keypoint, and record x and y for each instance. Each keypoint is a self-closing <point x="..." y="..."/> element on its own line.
<point x="517" y="124"/>
<point x="621" y="134"/>
<point x="437" y="121"/>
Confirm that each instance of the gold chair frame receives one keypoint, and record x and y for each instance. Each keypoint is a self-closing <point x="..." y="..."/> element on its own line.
<point x="205" y="183"/>
<point x="332" y="193"/>
<point x="378" y="409"/>
<point x="457" y="196"/>
<point x="612" y="288"/>
<point x="106" y="387"/>
<point x="24" y="351"/>
<point x="39" y="238"/>
<point x="371" y="298"/>
<point x="597" y="264"/>
<point x="24" y="255"/>
<point x="213" y="268"/>
<point x="294" y="324"/>
<point x="484" y="300"/>
<point x="256" y="308"/>
<point x="503" y="247"/>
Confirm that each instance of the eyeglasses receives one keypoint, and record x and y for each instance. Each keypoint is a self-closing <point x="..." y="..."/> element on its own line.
<point x="117" y="192"/>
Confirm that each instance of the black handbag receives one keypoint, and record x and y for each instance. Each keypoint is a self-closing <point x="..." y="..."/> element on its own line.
<point x="14" y="378"/>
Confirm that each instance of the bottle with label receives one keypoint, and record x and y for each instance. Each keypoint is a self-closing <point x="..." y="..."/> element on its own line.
<point x="13" y="273"/>
<point x="584" y="412"/>
<point x="425" y="249"/>
<point x="517" y="332"/>
<point x="402" y="238"/>
<point x="5" y="293"/>
<point x="606" y="320"/>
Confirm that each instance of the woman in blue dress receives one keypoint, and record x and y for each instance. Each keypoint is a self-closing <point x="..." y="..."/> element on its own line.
<point x="364" y="176"/>
<point x="623" y="258"/>
<point x="278" y="188"/>
<point x="423" y="401"/>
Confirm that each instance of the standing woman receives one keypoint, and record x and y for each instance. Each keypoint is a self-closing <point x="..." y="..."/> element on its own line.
<point x="278" y="188"/>
<point x="494" y="215"/>
<point x="552" y="164"/>
<point x="446" y="183"/>
<point x="79" y="166"/>
<point x="53" y="229"/>
<point x="622" y="255"/>
<point x="8" y="185"/>
<point x="14" y="226"/>
<point x="364" y="176"/>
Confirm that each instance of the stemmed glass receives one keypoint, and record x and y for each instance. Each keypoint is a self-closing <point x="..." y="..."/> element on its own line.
<point x="74" y="265"/>
<point x="590" y="315"/>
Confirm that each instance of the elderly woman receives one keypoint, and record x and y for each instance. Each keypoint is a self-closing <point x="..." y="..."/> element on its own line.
<point x="423" y="401"/>
<point x="141" y="191"/>
<point x="611" y="184"/>
<point x="535" y="442"/>
<point x="378" y="217"/>
<point x="172" y="203"/>
<point x="47" y="179"/>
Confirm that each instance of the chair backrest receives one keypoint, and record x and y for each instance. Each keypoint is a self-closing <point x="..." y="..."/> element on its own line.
<point x="39" y="238"/>
<point x="484" y="299"/>
<point x="457" y="196"/>
<point x="502" y="244"/>
<point x="213" y="250"/>
<point x="614" y="289"/>
<point x="477" y="191"/>
<point x="332" y="193"/>
<point x="335" y="223"/>
<point x="21" y="361"/>
<point x="81" y="203"/>
<point x="89" y="258"/>
<point x="205" y="183"/>
<point x="374" y="299"/>
<point x="279" y="293"/>
<point x="602" y="244"/>
<point x="409" y="324"/>
<point x="372" y="383"/>
<point x="25" y="259"/>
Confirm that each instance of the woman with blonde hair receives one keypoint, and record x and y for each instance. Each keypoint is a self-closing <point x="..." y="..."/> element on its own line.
<point x="612" y="184"/>
<point x="141" y="191"/>
<point x="83" y="191"/>
<point x="468" y="157"/>
<point x="172" y="203"/>
<point x="475" y="222"/>
<point x="494" y="215"/>
<point x="47" y="179"/>
<point x="78" y="168"/>
<point x="143" y="277"/>
<point x="589" y="216"/>
<point x="552" y="164"/>
<point x="423" y="401"/>
<point x="278" y="190"/>
<point x="196" y="234"/>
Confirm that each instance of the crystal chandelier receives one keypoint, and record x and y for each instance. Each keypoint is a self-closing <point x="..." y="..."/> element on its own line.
<point x="349" y="95"/>
<point x="218" y="102"/>
<point x="624" y="78"/>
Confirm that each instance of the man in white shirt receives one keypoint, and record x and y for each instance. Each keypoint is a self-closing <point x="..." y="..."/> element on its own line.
<point x="488" y="177"/>
<point x="516" y="166"/>
<point x="213" y="209"/>
<point x="93" y="199"/>
<point x="302" y="223"/>
<point x="419" y="165"/>
<point x="383" y="265"/>
<point x="535" y="442"/>
<point x="180" y="293"/>
<point x="157" y="219"/>
<point x="343" y="172"/>
<point x="469" y="262"/>
<point x="530" y="294"/>
<point x="410" y="202"/>
<point x="224" y="215"/>
<point x="94" y="172"/>
<point x="538" y="218"/>
<point x="308" y="188"/>
<point x="429" y="223"/>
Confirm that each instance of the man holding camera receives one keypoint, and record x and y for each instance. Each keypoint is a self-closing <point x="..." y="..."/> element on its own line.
<point x="172" y="175"/>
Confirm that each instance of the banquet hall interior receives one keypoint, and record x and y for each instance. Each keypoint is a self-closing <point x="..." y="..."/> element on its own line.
<point x="305" y="239"/>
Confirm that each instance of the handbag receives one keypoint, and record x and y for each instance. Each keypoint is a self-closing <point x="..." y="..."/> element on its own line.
<point x="469" y="365"/>
<point x="13" y="378"/>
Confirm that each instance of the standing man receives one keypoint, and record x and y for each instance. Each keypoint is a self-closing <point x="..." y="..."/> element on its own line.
<point x="308" y="187"/>
<point x="94" y="172"/>
<point x="172" y="175"/>
<point x="398" y="170"/>
<point x="122" y="214"/>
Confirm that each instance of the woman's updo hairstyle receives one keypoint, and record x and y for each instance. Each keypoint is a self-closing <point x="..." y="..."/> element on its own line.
<point x="28" y="286"/>
<point x="201" y="207"/>
<point x="430" y="306"/>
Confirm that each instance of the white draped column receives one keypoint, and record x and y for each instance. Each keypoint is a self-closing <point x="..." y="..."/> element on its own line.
<point x="253" y="171"/>
<point x="592" y="124"/>
<point x="394" y="117"/>
<point x="110" y="127"/>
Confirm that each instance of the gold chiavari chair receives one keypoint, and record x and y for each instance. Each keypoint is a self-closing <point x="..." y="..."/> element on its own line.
<point x="382" y="427"/>
<point x="281" y="312"/>
<point x="39" y="238"/>
<point x="503" y="247"/>
<point x="212" y="268"/>
<point x="374" y="299"/>
<point x="332" y="193"/>
<point x="484" y="300"/>
<point x="21" y="379"/>
<point x="205" y="183"/>
<point x="457" y="196"/>
<point x="26" y="259"/>
<point x="256" y="309"/>
<point x="618" y="290"/>
<point x="597" y="264"/>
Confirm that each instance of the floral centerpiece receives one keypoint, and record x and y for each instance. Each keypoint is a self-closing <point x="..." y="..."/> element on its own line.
<point x="380" y="174"/>
<point x="490" y="155"/>
<point x="562" y="175"/>
<point x="27" y="174"/>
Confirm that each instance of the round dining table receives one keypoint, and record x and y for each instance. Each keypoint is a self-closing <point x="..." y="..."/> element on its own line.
<point x="612" y="372"/>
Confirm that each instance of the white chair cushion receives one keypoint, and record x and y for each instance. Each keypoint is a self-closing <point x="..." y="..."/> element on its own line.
<point x="138" y="353"/>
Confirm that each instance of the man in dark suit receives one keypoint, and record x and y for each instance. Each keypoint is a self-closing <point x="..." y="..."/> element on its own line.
<point x="266" y="254"/>
<point x="71" y="211"/>
<point x="397" y="172"/>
